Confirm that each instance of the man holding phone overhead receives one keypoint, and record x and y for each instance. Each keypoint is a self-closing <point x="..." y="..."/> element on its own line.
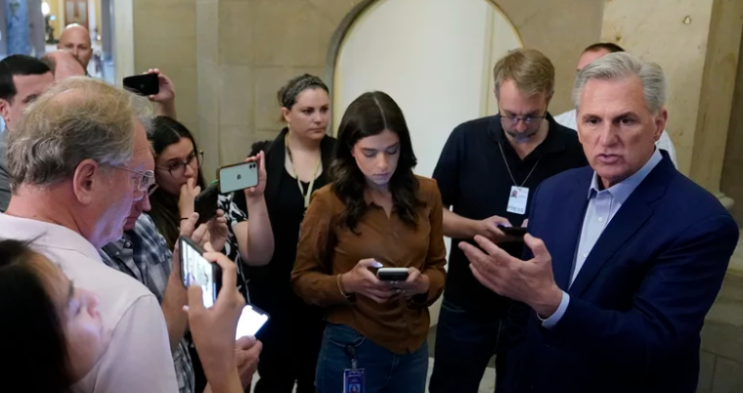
<point x="488" y="172"/>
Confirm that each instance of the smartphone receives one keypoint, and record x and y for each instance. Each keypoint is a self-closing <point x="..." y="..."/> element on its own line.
<point x="237" y="177"/>
<point x="145" y="84"/>
<point x="196" y="270"/>
<point x="251" y="320"/>
<point x="206" y="203"/>
<point x="513" y="231"/>
<point x="392" y="273"/>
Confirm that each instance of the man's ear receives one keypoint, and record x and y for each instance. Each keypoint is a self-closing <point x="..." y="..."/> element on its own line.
<point x="660" y="123"/>
<point x="85" y="180"/>
<point x="5" y="110"/>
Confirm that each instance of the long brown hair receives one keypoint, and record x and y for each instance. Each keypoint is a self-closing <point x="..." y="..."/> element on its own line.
<point x="370" y="115"/>
<point x="164" y="212"/>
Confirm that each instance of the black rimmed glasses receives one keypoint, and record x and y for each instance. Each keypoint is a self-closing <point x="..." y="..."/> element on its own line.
<point x="178" y="168"/>
<point x="509" y="122"/>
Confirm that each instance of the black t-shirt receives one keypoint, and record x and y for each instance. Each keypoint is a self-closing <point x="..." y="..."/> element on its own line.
<point x="474" y="180"/>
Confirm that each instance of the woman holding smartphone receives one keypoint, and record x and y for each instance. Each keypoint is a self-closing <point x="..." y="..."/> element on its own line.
<point x="375" y="213"/>
<point x="179" y="177"/>
<point x="296" y="163"/>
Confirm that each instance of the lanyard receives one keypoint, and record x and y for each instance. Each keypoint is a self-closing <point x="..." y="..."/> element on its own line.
<point x="305" y="194"/>
<point x="509" y="168"/>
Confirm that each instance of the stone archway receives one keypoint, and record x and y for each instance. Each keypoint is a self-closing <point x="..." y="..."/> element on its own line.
<point x="548" y="27"/>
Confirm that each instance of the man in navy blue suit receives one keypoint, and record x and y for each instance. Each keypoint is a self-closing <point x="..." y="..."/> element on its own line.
<point x="625" y="257"/>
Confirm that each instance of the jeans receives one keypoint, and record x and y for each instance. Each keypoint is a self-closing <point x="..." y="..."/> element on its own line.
<point x="465" y="342"/>
<point x="385" y="371"/>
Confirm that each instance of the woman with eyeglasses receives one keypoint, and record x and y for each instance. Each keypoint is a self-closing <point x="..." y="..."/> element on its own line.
<point x="179" y="180"/>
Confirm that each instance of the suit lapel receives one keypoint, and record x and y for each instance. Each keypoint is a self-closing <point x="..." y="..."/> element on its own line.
<point x="571" y="214"/>
<point x="633" y="214"/>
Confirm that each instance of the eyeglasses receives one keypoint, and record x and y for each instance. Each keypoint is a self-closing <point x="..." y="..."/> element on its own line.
<point x="177" y="169"/>
<point x="513" y="121"/>
<point x="144" y="181"/>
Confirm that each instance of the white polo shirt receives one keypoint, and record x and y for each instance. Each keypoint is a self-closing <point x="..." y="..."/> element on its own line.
<point x="138" y="358"/>
<point x="568" y="119"/>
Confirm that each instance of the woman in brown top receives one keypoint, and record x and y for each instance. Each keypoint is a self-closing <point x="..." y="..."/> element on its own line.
<point x="375" y="213"/>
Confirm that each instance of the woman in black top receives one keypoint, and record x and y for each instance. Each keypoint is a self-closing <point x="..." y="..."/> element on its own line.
<point x="291" y="338"/>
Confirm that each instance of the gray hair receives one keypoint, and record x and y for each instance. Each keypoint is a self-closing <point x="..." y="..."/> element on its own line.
<point x="620" y="65"/>
<point x="76" y="119"/>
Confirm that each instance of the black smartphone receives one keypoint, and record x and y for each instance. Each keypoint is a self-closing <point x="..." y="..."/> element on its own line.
<point x="196" y="270"/>
<point x="513" y="231"/>
<point x="145" y="84"/>
<point x="206" y="203"/>
<point x="399" y="274"/>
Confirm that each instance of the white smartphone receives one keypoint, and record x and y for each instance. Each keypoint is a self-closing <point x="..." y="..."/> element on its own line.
<point x="238" y="177"/>
<point x="251" y="320"/>
<point x="196" y="270"/>
<point x="393" y="273"/>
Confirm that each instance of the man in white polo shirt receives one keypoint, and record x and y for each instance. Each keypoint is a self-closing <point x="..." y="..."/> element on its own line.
<point x="591" y="53"/>
<point x="79" y="159"/>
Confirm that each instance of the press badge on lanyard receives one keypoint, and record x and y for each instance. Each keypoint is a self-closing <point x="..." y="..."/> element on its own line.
<point x="517" y="200"/>
<point x="519" y="197"/>
<point x="353" y="378"/>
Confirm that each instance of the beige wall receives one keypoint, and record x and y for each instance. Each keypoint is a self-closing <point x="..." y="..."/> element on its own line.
<point x="165" y="38"/>
<point x="247" y="50"/>
<point x="732" y="172"/>
<point x="697" y="43"/>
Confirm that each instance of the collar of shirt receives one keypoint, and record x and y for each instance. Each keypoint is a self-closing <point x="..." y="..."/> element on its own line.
<point x="46" y="234"/>
<point x="552" y="143"/>
<point x="622" y="190"/>
<point x="2" y="125"/>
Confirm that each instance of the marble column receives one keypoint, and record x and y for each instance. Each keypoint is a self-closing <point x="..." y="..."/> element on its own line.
<point x="697" y="42"/>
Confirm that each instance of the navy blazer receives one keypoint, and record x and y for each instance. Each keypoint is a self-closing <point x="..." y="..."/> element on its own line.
<point x="638" y="304"/>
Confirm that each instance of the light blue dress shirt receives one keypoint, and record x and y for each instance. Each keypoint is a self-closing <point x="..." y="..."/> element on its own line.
<point x="2" y="125"/>
<point x="603" y="205"/>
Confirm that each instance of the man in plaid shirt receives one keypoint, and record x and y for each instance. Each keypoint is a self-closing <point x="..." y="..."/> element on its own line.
<point x="143" y="254"/>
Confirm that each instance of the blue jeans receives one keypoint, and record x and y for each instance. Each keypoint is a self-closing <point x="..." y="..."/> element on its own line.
<point x="385" y="371"/>
<point x="465" y="342"/>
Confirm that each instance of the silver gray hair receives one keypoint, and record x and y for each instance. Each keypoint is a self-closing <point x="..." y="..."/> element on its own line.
<point x="76" y="119"/>
<point x="621" y="65"/>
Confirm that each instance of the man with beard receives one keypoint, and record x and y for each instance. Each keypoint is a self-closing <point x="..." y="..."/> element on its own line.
<point x="488" y="173"/>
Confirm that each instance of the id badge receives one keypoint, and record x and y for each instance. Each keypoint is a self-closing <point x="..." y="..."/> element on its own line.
<point x="518" y="199"/>
<point x="353" y="381"/>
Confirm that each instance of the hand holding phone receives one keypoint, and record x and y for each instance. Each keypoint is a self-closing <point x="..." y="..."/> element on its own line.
<point x="362" y="281"/>
<point x="238" y="176"/>
<point x="197" y="270"/>
<point x="213" y="329"/>
<point x="145" y="85"/>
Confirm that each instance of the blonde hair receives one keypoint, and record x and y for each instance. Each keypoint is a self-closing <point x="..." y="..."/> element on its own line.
<point x="532" y="71"/>
<point x="76" y="119"/>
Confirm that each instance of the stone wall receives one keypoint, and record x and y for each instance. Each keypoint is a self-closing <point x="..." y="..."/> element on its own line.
<point x="721" y="368"/>
<point x="247" y="49"/>
<point x="165" y="38"/>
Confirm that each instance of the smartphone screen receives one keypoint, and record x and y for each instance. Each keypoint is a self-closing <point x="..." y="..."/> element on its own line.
<point x="251" y="320"/>
<point x="206" y="203"/>
<point x="196" y="270"/>
<point x="238" y="177"/>
<point x="145" y="85"/>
